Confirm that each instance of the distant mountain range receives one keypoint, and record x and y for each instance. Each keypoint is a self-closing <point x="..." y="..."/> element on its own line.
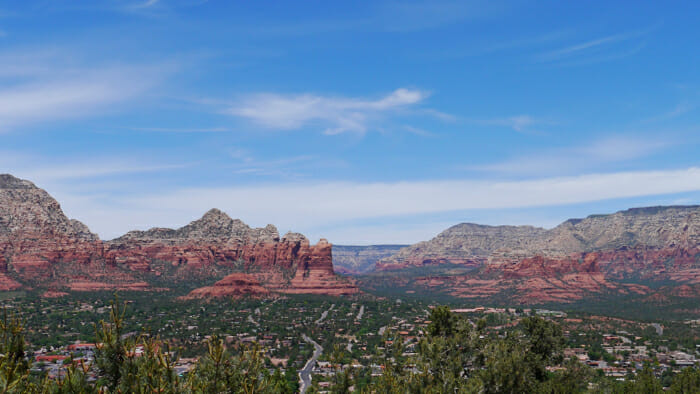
<point x="356" y="260"/>
<point x="653" y="227"/>
<point x="40" y="248"/>
<point x="652" y="253"/>
<point x="646" y="255"/>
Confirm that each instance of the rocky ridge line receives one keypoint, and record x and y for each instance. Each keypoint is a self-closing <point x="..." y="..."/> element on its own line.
<point x="467" y="243"/>
<point x="40" y="246"/>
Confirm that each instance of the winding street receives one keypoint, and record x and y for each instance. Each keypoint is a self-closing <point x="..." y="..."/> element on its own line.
<point x="305" y="373"/>
<point x="250" y="319"/>
<point x="324" y="314"/>
<point x="362" y="312"/>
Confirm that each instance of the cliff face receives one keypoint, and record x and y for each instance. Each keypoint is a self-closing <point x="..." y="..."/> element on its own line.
<point x="577" y="259"/>
<point x="655" y="227"/>
<point x="469" y="244"/>
<point x="35" y="235"/>
<point x="39" y="246"/>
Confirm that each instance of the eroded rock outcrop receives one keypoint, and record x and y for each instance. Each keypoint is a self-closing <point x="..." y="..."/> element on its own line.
<point x="601" y="254"/>
<point x="234" y="285"/>
<point x="40" y="246"/>
<point x="653" y="227"/>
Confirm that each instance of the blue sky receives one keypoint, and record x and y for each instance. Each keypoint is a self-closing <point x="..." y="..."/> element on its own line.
<point x="361" y="122"/>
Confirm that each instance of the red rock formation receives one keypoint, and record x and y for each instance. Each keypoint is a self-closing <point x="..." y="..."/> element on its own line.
<point x="601" y="254"/>
<point x="39" y="245"/>
<point x="315" y="275"/>
<point x="544" y="279"/>
<point x="7" y="283"/>
<point x="234" y="285"/>
<point x="54" y="294"/>
<point x="669" y="227"/>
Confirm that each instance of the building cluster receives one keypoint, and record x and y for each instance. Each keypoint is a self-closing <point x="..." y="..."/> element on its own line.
<point x="624" y="356"/>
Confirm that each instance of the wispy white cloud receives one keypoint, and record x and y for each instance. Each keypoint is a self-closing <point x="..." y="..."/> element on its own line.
<point x="679" y="110"/>
<point x="417" y="131"/>
<point x="183" y="129"/>
<point x="248" y="165"/>
<point x="334" y="115"/>
<point x="579" y="158"/>
<point x="602" y="57"/>
<point x="600" y="49"/>
<point x="519" y="123"/>
<point x="383" y="233"/>
<point x="527" y="42"/>
<point x="583" y="46"/>
<point x="31" y="103"/>
<point x="624" y="147"/>
<point x="56" y="169"/>
<point x="95" y="170"/>
<point x="289" y="168"/>
<point x="34" y="63"/>
<point x="43" y="86"/>
<point x="147" y="4"/>
<point x="306" y="206"/>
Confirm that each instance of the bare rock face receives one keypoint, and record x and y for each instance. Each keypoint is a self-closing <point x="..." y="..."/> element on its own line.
<point x="539" y="279"/>
<point x="215" y="226"/>
<point x="577" y="259"/>
<point x="41" y="247"/>
<point x="657" y="227"/>
<point x="313" y="275"/>
<point x="467" y="244"/>
<point x="26" y="210"/>
<point x="282" y="265"/>
<point x="35" y="235"/>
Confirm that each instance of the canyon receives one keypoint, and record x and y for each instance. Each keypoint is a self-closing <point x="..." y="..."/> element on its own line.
<point x="357" y="260"/>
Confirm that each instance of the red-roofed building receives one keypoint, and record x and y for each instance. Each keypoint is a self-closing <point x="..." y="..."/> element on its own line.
<point x="50" y="358"/>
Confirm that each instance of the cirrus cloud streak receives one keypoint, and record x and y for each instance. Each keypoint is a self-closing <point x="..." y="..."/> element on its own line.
<point x="308" y="206"/>
<point x="334" y="115"/>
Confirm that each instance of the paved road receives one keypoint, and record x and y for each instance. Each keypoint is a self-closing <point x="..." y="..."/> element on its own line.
<point x="324" y="314"/>
<point x="305" y="373"/>
<point x="362" y="312"/>
<point x="250" y="319"/>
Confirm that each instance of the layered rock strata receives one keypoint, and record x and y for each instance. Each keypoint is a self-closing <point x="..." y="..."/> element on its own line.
<point x="601" y="254"/>
<point x="653" y="227"/>
<point x="40" y="246"/>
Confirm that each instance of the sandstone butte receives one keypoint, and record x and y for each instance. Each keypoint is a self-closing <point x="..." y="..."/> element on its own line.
<point x="41" y="248"/>
<point x="621" y="253"/>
